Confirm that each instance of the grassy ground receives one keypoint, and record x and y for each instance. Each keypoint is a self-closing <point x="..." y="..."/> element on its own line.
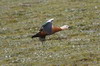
<point x="78" y="46"/>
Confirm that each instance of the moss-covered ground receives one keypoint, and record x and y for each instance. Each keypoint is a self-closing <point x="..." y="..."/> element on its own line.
<point x="77" y="46"/>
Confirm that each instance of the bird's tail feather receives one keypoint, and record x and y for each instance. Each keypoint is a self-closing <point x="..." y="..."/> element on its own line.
<point x="36" y="35"/>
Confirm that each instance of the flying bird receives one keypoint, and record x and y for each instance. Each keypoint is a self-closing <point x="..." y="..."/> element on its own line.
<point x="48" y="29"/>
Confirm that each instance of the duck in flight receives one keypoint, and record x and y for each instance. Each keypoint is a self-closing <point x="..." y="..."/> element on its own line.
<point x="48" y="29"/>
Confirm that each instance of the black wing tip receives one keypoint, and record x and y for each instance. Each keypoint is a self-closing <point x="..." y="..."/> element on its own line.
<point x="32" y="36"/>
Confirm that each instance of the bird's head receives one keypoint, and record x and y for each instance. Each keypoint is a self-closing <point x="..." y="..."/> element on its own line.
<point x="64" y="27"/>
<point x="50" y="20"/>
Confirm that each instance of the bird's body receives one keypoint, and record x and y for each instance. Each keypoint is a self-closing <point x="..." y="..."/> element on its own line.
<point x="48" y="29"/>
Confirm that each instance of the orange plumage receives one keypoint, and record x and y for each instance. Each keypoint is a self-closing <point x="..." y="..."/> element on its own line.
<point x="48" y="29"/>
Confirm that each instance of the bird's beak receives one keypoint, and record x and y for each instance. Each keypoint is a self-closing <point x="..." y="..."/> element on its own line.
<point x="70" y="27"/>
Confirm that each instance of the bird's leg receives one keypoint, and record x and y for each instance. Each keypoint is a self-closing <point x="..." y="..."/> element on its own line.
<point x="42" y="39"/>
<point x="43" y="45"/>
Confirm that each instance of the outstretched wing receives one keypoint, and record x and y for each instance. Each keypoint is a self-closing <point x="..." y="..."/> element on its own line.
<point x="47" y="27"/>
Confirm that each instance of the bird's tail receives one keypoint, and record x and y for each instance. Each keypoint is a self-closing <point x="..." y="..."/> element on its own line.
<point x="36" y="35"/>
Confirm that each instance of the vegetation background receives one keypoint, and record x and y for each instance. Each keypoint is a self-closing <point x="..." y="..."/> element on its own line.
<point x="78" y="46"/>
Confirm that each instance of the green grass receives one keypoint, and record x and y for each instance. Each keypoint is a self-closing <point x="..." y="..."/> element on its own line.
<point x="78" y="46"/>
